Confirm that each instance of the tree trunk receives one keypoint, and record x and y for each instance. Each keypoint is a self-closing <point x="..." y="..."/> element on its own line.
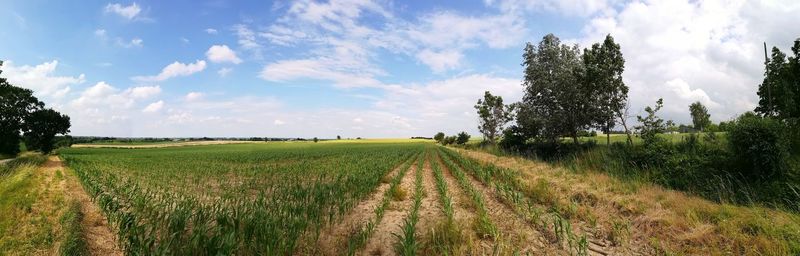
<point x="608" y="138"/>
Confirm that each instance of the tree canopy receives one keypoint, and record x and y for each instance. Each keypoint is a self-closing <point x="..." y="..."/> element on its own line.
<point x="493" y="115"/>
<point x="22" y="113"/>
<point x="700" y="117"/>
<point x="779" y="93"/>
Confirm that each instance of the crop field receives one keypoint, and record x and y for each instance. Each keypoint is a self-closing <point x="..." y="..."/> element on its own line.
<point x="385" y="199"/>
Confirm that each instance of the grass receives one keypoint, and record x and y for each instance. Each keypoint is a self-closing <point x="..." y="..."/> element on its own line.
<point x="671" y="222"/>
<point x="29" y="209"/>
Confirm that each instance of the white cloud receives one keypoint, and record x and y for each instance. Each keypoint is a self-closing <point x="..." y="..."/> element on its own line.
<point x="129" y="12"/>
<point x="684" y="51"/>
<point x="279" y="122"/>
<point x="440" y="61"/>
<point x="40" y="78"/>
<point x="173" y="70"/>
<point x="317" y="69"/>
<point x="223" y="72"/>
<point x="566" y="7"/>
<point x="247" y="38"/>
<point x="222" y="54"/>
<point x="211" y="31"/>
<point x="135" y="42"/>
<point x="193" y="96"/>
<point x="143" y="92"/>
<point x="101" y="33"/>
<point x="154" y="107"/>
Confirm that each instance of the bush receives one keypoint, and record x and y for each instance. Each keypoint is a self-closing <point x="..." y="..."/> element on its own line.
<point x="759" y="145"/>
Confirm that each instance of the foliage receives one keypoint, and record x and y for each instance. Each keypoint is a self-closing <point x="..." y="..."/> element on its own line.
<point x="44" y="125"/>
<point x="439" y="137"/>
<point x="462" y="138"/>
<point x="567" y="92"/>
<point x="603" y="67"/>
<point x="449" y="140"/>
<point x="779" y="93"/>
<point x="493" y="115"/>
<point x="760" y="146"/>
<point x="700" y="117"/>
<point x="652" y="125"/>
<point x="21" y="112"/>
<point x="553" y="94"/>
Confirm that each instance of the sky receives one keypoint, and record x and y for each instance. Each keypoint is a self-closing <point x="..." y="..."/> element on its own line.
<point x="360" y="68"/>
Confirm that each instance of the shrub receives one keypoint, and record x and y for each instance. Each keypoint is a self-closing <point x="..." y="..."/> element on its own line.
<point x="759" y="145"/>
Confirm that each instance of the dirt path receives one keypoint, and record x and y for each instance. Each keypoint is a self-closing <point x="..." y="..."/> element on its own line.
<point x="99" y="236"/>
<point x="4" y="161"/>
<point x="333" y="240"/>
<point x="383" y="240"/>
<point x="516" y="234"/>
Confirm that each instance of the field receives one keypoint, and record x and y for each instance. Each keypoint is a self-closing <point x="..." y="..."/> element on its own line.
<point x="389" y="197"/>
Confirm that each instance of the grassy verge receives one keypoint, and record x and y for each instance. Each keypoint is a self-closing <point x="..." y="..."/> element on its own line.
<point x="636" y="212"/>
<point x="27" y="222"/>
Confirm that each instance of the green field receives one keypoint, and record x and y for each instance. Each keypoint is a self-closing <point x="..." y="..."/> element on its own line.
<point x="243" y="198"/>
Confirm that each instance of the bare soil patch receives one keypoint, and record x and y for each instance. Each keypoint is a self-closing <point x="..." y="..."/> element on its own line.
<point x="383" y="240"/>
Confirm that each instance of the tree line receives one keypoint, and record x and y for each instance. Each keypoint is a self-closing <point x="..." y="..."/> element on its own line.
<point x="568" y="91"/>
<point x="24" y="118"/>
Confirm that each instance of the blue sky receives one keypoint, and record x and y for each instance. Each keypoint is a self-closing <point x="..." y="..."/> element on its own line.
<point x="360" y="68"/>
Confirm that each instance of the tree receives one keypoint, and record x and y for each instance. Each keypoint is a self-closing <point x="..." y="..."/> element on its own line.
<point x="462" y="138"/>
<point x="779" y="93"/>
<point x="15" y="105"/>
<point x="553" y="92"/>
<point x="316" y="140"/>
<point x="603" y="67"/>
<point x="449" y="140"/>
<point x="493" y="115"/>
<point x="338" y="137"/>
<point x="43" y="125"/>
<point x="439" y="137"/>
<point x="700" y="117"/>
<point x="652" y="125"/>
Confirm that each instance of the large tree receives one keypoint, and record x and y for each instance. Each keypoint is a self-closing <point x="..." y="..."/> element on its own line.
<point x="493" y="115"/>
<point x="553" y="92"/>
<point x="43" y="125"/>
<point x="15" y="105"/>
<point x="700" y="117"/>
<point x="603" y="66"/>
<point x="779" y="93"/>
<point x="22" y="113"/>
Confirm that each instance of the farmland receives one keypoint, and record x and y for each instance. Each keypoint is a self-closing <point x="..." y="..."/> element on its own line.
<point x="397" y="198"/>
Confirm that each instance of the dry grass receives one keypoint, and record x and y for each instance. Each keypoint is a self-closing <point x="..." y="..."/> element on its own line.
<point x="664" y="220"/>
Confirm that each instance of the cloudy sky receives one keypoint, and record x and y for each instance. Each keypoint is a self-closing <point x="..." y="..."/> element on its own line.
<point x="363" y="68"/>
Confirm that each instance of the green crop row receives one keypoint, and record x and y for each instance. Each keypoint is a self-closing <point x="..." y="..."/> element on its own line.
<point x="231" y="199"/>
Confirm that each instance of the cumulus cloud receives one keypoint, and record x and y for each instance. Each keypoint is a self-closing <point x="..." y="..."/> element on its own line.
<point x="566" y="7"/>
<point x="129" y="12"/>
<point x="211" y="31"/>
<point x="154" y="107"/>
<point x="174" y="70"/>
<point x="41" y="78"/>
<point x="440" y="61"/>
<point x="685" y="51"/>
<point x="222" y="54"/>
<point x="279" y="122"/>
<point x="317" y="69"/>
